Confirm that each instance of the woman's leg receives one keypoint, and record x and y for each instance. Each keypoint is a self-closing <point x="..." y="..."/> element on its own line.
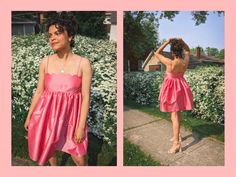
<point x="176" y="118"/>
<point x="53" y="160"/>
<point x="79" y="161"/>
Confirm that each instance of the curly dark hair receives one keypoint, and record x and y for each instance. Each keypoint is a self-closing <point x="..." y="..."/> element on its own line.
<point x="177" y="48"/>
<point x="64" y="21"/>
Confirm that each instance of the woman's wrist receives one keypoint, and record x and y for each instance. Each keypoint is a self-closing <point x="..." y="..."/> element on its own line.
<point x="28" y="116"/>
<point x="161" y="48"/>
<point x="81" y="126"/>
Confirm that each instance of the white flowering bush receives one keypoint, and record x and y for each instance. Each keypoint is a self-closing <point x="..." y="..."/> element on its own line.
<point x="27" y="51"/>
<point x="142" y="87"/>
<point x="206" y="83"/>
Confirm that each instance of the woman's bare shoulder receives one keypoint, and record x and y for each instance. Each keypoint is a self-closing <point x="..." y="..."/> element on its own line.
<point x="44" y="60"/>
<point x="83" y="60"/>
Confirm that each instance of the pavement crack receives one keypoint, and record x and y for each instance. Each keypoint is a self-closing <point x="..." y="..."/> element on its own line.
<point x="138" y="126"/>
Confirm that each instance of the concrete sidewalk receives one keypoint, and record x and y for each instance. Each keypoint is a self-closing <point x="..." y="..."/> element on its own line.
<point x="153" y="135"/>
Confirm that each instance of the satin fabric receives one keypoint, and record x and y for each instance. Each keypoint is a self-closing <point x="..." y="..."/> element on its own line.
<point x="55" y="117"/>
<point x="175" y="94"/>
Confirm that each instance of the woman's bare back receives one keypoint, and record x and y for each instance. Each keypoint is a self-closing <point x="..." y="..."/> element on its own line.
<point x="177" y="66"/>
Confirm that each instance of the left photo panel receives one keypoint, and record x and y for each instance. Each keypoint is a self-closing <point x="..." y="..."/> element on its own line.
<point x="64" y="88"/>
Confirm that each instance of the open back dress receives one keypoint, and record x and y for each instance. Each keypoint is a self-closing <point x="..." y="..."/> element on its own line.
<point x="175" y="94"/>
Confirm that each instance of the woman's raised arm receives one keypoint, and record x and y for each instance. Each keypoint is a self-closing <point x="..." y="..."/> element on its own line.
<point x="166" y="61"/>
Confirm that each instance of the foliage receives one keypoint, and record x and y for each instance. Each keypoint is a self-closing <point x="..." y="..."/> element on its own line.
<point x="133" y="156"/>
<point x="140" y="35"/>
<point x="201" y="16"/>
<point x="215" y="52"/>
<point x="221" y="54"/>
<point x="142" y="87"/>
<point x="91" y="23"/>
<point x="212" y="51"/>
<point x="206" y="83"/>
<point x="27" y="52"/>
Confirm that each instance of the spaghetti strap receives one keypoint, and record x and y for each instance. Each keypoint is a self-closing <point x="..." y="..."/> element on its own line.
<point x="47" y="64"/>
<point x="78" y="69"/>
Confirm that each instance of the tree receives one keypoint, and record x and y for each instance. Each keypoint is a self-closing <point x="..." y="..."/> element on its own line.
<point x="140" y="35"/>
<point x="212" y="51"/>
<point x="193" y="50"/>
<point x="221" y="54"/>
<point x="199" y="17"/>
<point x="215" y="52"/>
<point x="91" y="23"/>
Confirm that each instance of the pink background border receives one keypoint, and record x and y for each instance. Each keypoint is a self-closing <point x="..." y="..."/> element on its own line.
<point x="120" y="6"/>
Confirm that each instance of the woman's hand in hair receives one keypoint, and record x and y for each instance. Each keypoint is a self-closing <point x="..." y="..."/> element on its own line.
<point x="170" y="40"/>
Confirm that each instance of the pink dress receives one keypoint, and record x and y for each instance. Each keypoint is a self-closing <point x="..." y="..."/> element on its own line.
<point x="55" y="117"/>
<point x="175" y="94"/>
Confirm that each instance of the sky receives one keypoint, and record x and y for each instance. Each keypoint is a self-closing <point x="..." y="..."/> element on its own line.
<point x="208" y="34"/>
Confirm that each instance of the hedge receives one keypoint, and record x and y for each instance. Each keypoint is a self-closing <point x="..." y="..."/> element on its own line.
<point x="206" y="83"/>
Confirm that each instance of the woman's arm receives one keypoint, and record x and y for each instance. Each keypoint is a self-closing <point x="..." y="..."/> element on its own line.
<point x="37" y="93"/>
<point x="86" y="84"/>
<point x="186" y="51"/>
<point x="158" y="53"/>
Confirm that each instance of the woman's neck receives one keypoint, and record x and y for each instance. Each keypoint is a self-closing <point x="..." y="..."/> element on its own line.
<point x="64" y="54"/>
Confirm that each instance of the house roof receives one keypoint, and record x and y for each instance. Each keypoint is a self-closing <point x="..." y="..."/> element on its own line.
<point x="22" y="20"/>
<point x="147" y="59"/>
<point x="211" y="58"/>
<point x="167" y="54"/>
<point x="193" y="59"/>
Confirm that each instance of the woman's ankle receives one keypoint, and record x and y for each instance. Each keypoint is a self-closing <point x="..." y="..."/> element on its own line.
<point x="176" y="142"/>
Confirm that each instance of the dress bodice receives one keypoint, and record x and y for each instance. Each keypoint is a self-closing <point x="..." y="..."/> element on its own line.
<point x="174" y="75"/>
<point x="62" y="83"/>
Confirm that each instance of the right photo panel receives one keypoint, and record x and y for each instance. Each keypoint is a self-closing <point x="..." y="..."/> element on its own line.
<point x="174" y="88"/>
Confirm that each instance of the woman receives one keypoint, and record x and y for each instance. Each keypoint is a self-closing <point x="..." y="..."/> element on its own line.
<point x="57" y="117"/>
<point x="175" y="94"/>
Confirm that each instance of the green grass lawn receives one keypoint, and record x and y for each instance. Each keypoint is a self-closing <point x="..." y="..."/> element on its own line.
<point x="201" y="128"/>
<point x="133" y="156"/>
<point x="99" y="152"/>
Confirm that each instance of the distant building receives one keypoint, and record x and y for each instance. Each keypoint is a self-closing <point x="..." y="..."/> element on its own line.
<point x="207" y="59"/>
<point x="151" y="63"/>
<point x="23" y="26"/>
<point x="111" y="25"/>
